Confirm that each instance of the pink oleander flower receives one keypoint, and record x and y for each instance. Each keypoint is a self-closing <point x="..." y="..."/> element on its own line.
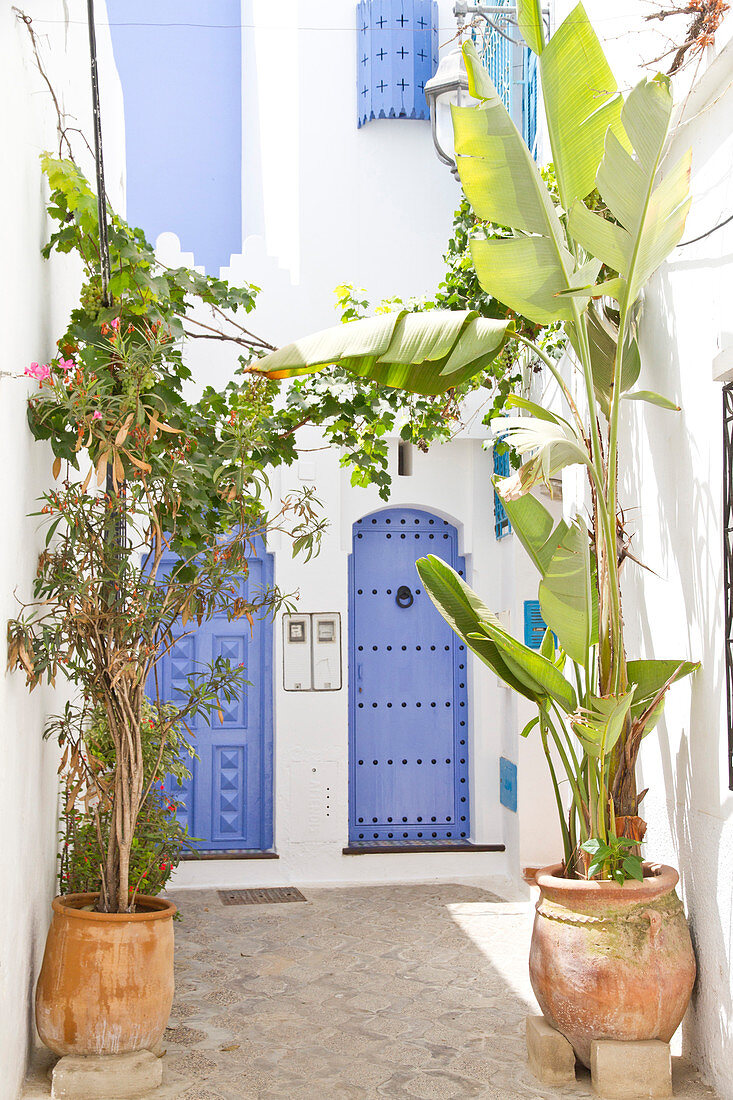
<point x="40" y="371"/>
<point x="97" y="415"/>
<point x="66" y="365"/>
<point x="115" y="324"/>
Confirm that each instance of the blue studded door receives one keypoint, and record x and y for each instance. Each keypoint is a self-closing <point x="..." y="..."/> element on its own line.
<point x="228" y="800"/>
<point x="408" y="766"/>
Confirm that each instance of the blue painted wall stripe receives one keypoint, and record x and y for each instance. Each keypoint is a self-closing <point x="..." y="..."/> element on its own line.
<point x="182" y="88"/>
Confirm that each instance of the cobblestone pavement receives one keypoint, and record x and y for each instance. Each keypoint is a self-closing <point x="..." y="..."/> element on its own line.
<point x="410" y="991"/>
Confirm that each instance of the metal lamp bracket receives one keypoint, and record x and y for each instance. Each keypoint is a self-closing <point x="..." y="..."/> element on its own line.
<point x="491" y="13"/>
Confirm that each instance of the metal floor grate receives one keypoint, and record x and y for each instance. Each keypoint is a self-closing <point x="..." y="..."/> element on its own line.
<point x="260" y="897"/>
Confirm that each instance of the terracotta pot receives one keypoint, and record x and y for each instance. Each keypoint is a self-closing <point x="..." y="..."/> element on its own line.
<point x="610" y="961"/>
<point x="106" y="982"/>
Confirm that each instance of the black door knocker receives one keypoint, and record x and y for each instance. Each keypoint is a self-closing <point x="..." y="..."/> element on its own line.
<point x="404" y="597"/>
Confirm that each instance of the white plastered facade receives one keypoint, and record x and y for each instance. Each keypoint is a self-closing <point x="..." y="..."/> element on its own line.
<point x="36" y="298"/>
<point x="378" y="215"/>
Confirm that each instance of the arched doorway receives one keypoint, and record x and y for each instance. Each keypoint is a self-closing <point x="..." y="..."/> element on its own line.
<point x="408" y="701"/>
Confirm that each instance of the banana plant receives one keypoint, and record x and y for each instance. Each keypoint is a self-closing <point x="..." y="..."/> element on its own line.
<point x="583" y="262"/>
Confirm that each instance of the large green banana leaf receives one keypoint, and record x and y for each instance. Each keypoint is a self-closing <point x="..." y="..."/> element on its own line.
<point x="501" y="180"/>
<point x="517" y="665"/>
<point x="651" y="214"/>
<point x="529" y="20"/>
<point x="569" y="594"/>
<point x="504" y="186"/>
<point x="568" y="589"/>
<point x="552" y="444"/>
<point x="425" y="353"/>
<point x="602" y="338"/>
<point x="581" y="102"/>
<point x="533" y="526"/>
<point x="650" y="677"/>
<point x="542" y="675"/>
<point x="464" y="611"/>
<point x="600" y="726"/>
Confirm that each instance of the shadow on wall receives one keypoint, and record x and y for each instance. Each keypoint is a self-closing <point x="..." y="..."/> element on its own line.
<point x="673" y="465"/>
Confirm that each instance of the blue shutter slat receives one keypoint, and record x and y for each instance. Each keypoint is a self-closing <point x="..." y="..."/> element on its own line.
<point x="534" y="625"/>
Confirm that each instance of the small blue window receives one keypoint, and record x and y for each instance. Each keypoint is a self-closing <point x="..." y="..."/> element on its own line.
<point x="534" y="625"/>
<point x="397" y="53"/>
<point x="502" y="468"/>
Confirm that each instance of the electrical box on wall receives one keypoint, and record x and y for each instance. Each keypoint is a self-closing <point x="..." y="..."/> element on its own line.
<point x="312" y="652"/>
<point x="297" y="670"/>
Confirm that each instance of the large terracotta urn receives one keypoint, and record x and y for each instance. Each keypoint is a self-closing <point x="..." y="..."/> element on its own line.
<point x="106" y="982"/>
<point x="610" y="961"/>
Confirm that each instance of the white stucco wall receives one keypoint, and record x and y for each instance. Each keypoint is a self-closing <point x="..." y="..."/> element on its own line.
<point x="324" y="202"/>
<point x="675" y="483"/>
<point x="311" y="729"/>
<point x="327" y="203"/>
<point x="36" y="297"/>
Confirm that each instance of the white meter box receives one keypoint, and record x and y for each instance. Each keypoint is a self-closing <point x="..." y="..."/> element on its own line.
<point x="298" y="664"/>
<point x="312" y="652"/>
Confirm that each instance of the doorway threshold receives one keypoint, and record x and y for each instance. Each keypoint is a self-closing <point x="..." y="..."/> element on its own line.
<point x="389" y="847"/>
<point x="232" y="853"/>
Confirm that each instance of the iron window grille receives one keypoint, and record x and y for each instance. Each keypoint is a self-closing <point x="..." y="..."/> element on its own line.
<point x="728" y="561"/>
<point x="502" y="468"/>
<point x="513" y="69"/>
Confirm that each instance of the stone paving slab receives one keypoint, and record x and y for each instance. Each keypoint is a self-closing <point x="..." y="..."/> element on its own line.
<point x="414" y="992"/>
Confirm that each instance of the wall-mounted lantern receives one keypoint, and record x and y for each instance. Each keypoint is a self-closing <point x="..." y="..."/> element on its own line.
<point x="397" y="53"/>
<point x="448" y="87"/>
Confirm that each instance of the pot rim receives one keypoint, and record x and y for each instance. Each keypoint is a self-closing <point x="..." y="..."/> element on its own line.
<point x="159" y="908"/>
<point x="658" y="878"/>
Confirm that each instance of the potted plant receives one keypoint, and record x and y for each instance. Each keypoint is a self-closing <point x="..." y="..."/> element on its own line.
<point x="611" y="955"/>
<point x="149" y="530"/>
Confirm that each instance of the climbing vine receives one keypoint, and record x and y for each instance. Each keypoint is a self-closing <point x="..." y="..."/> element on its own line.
<point x="704" y="19"/>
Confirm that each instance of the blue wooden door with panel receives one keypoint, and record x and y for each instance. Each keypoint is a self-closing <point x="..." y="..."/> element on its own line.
<point x="228" y="800"/>
<point x="408" y="767"/>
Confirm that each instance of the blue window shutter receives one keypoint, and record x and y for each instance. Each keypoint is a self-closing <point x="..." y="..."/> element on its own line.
<point x="397" y="53"/>
<point x="534" y="625"/>
<point x="502" y="468"/>
<point x="529" y="101"/>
